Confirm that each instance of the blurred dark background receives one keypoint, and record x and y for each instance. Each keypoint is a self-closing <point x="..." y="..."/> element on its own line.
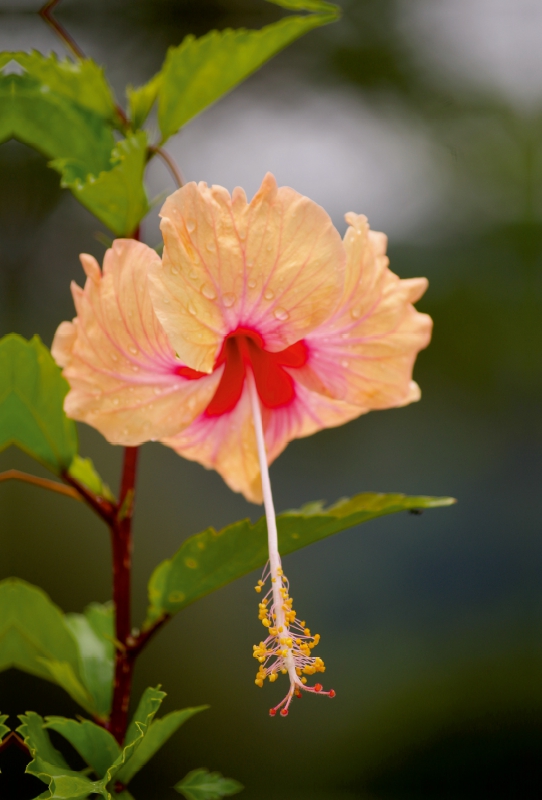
<point x="426" y="116"/>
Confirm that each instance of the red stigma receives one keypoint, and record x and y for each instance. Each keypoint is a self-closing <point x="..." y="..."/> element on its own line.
<point x="331" y="693"/>
<point x="298" y="693"/>
<point x="284" y="712"/>
<point x="272" y="712"/>
<point x="318" y="687"/>
<point x="244" y="347"/>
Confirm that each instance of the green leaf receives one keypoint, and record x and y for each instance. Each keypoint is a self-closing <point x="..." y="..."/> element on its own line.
<point x="141" y="100"/>
<point x="32" y="392"/>
<point x="159" y="732"/>
<point x="94" y="744"/>
<point x="94" y="632"/>
<point x="212" y="559"/>
<point x="53" y="123"/>
<point x="82" y="82"/>
<point x="200" y="71"/>
<point x="200" y="784"/>
<point x="37" y="739"/>
<point x="150" y="702"/>
<point x="309" y="5"/>
<point x="117" y="195"/>
<point x="3" y="728"/>
<point x="83" y="471"/>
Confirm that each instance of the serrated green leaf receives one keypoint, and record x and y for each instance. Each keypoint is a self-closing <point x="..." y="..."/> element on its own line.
<point x="212" y="559"/>
<point x="94" y="632"/>
<point x="150" y="702"/>
<point x="37" y="739"/>
<point x="32" y="392"/>
<point x="83" y="82"/>
<point x="94" y="744"/>
<point x="141" y="100"/>
<point x="117" y="194"/>
<point x="159" y="732"/>
<point x="84" y="472"/>
<point x="200" y="784"/>
<point x="53" y="124"/>
<point x="200" y="71"/>
<point x="3" y="728"/>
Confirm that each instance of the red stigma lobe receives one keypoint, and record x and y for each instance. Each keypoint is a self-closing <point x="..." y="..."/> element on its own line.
<point x="244" y="347"/>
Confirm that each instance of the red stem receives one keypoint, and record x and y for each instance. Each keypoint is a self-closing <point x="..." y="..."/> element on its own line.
<point x="121" y="543"/>
<point x="46" y="13"/>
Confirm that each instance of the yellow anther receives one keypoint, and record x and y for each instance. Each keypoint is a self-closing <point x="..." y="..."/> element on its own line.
<point x="284" y="671"/>
<point x="281" y="628"/>
<point x="298" y="671"/>
<point x="258" y="589"/>
<point x="266" y="623"/>
<point x="297" y="641"/>
<point x="307" y="631"/>
<point x="284" y="652"/>
<point x="273" y="580"/>
<point x="260" y="583"/>
<point x="258" y="682"/>
<point x="289" y="642"/>
<point x="279" y="571"/>
<point x="303" y="680"/>
<point x="273" y="677"/>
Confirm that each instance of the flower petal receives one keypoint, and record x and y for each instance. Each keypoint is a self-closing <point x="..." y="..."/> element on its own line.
<point x="365" y="352"/>
<point x="227" y="443"/>
<point x="123" y="374"/>
<point x="274" y="265"/>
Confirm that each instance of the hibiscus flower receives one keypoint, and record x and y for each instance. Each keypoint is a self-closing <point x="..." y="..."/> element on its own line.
<point x="258" y="325"/>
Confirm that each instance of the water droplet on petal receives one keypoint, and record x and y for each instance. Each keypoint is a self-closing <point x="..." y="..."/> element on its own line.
<point x="133" y="350"/>
<point x="251" y="283"/>
<point x="193" y="274"/>
<point x="126" y="431"/>
<point x="174" y="270"/>
<point x="115" y="401"/>
<point x="135" y="368"/>
<point x="355" y="313"/>
<point x="345" y="335"/>
<point x="190" y="225"/>
<point x="269" y="247"/>
<point x="281" y="313"/>
<point x="165" y="299"/>
<point x="208" y="291"/>
<point x="269" y="294"/>
<point x="114" y="356"/>
<point x="211" y="246"/>
<point x="131" y="389"/>
<point x="150" y="406"/>
<point x="228" y="299"/>
<point x="344" y="363"/>
<point x="157" y="390"/>
<point x="192" y="309"/>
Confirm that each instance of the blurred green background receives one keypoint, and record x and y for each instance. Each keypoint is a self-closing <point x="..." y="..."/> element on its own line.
<point x="426" y="116"/>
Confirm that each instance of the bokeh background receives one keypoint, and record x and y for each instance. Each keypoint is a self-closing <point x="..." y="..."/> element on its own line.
<point x="426" y="116"/>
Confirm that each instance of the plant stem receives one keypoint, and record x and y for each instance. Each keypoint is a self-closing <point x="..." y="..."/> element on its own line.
<point x="46" y="13"/>
<point x="170" y="162"/>
<point x="45" y="483"/>
<point x="121" y="543"/>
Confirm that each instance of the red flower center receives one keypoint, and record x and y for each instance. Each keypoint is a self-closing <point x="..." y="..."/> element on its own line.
<point x="244" y="347"/>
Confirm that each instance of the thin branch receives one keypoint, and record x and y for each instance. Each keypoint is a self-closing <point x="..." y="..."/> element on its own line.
<point x="46" y="13"/>
<point x="45" y="483"/>
<point x="137" y="643"/>
<point x="104" y="508"/>
<point x="170" y="162"/>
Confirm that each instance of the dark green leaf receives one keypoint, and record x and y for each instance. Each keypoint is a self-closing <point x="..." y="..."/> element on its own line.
<point x="212" y="559"/>
<point x="333" y="11"/>
<point x="117" y="194"/>
<point x="94" y="632"/>
<point x="53" y="124"/>
<point x="200" y="71"/>
<point x="32" y="392"/>
<point x="3" y="728"/>
<point x="94" y="744"/>
<point x="159" y="732"/>
<point x="200" y="784"/>
<point x="82" y="82"/>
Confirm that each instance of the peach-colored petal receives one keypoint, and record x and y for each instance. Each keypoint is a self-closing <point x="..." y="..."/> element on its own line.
<point x="116" y="357"/>
<point x="227" y="443"/>
<point x="365" y="352"/>
<point x="274" y="265"/>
